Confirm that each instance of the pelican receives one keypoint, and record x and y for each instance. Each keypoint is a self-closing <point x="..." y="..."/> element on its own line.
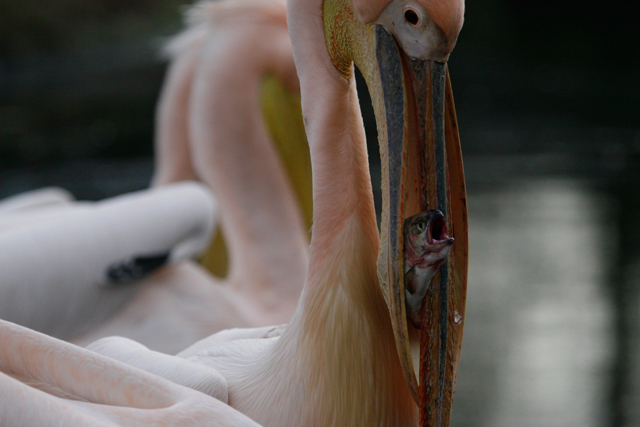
<point x="343" y="359"/>
<point x="232" y="76"/>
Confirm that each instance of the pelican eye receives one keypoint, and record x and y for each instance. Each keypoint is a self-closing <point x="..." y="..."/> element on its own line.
<point x="421" y="225"/>
<point x="412" y="17"/>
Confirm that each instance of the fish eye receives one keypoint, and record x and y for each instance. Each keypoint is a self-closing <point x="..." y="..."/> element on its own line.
<point x="421" y="225"/>
<point x="412" y="17"/>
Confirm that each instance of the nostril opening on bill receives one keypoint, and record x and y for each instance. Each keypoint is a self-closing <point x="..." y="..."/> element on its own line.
<point x="411" y="17"/>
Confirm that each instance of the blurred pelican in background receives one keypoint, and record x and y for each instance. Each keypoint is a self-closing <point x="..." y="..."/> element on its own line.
<point x="266" y="107"/>
<point x="210" y="127"/>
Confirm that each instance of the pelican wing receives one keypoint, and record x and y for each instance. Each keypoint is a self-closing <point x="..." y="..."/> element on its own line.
<point x="46" y="381"/>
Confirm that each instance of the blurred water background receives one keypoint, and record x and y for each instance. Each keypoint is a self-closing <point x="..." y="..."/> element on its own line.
<point x="548" y="102"/>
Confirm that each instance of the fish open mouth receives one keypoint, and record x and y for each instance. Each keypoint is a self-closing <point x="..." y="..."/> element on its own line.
<point x="438" y="233"/>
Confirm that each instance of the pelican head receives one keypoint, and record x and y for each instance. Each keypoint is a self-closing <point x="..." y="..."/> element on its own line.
<point x="402" y="47"/>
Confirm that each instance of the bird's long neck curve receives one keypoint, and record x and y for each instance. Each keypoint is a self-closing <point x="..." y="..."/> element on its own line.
<point x="336" y="364"/>
<point x="345" y="234"/>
